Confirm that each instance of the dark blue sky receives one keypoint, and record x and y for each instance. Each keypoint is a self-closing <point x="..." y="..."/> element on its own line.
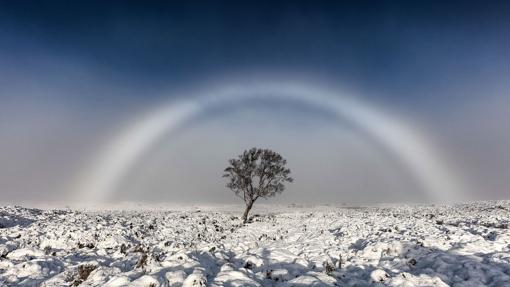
<point x="72" y="73"/>
<point x="394" y="46"/>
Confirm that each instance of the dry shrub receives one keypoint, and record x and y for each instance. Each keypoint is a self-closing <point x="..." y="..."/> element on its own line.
<point x="83" y="273"/>
<point x="142" y="262"/>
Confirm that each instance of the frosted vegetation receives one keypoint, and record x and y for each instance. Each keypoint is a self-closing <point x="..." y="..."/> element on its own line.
<point x="462" y="245"/>
<point x="257" y="173"/>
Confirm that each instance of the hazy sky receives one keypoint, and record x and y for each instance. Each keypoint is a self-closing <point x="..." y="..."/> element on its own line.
<point x="75" y="73"/>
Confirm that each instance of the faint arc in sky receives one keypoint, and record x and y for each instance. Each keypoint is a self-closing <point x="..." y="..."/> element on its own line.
<point x="113" y="163"/>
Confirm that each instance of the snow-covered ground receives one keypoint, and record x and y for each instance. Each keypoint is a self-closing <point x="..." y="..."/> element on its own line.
<point x="461" y="245"/>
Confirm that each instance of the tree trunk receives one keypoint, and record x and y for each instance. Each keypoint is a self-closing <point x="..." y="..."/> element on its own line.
<point x="246" y="211"/>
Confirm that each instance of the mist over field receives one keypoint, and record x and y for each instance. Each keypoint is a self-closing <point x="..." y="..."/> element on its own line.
<point x="73" y="81"/>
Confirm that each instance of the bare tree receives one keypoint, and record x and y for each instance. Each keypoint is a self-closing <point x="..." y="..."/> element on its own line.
<point x="257" y="173"/>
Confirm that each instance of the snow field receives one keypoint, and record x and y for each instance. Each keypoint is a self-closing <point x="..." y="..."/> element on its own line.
<point x="461" y="245"/>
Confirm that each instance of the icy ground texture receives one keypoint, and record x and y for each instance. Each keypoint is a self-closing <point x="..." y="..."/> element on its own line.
<point x="463" y="245"/>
